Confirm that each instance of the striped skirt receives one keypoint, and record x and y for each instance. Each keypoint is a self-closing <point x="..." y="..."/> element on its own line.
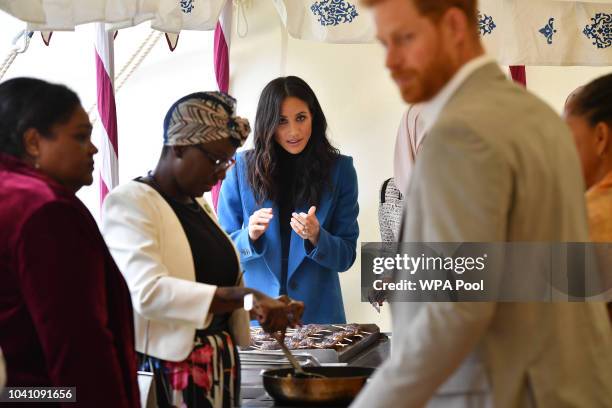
<point x="208" y="378"/>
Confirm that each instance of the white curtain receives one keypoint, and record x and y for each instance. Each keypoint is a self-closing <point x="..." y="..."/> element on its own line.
<point x="516" y="32"/>
<point x="165" y="15"/>
<point x="333" y="21"/>
<point x="541" y="32"/>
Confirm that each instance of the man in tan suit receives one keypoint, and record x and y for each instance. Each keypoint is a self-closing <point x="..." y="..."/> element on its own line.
<point x="497" y="165"/>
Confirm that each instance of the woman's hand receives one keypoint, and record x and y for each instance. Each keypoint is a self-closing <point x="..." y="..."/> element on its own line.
<point x="307" y="225"/>
<point x="275" y="315"/>
<point x="259" y="222"/>
<point x="295" y="308"/>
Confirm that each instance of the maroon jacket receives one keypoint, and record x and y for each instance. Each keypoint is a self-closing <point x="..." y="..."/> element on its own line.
<point x="65" y="310"/>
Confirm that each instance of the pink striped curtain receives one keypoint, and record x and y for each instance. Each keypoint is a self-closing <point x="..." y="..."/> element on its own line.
<point x="109" y="142"/>
<point x="223" y="32"/>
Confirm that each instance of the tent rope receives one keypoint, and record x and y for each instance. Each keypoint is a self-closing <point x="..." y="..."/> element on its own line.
<point x="146" y="52"/>
<point x="8" y="61"/>
<point x="12" y="55"/>
<point x="241" y="5"/>
<point x="136" y="53"/>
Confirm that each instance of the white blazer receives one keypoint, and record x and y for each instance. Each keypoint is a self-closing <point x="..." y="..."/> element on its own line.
<point x="151" y="249"/>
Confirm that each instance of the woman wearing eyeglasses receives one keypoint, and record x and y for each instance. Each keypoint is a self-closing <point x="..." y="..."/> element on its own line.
<point x="290" y="204"/>
<point x="182" y="269"/>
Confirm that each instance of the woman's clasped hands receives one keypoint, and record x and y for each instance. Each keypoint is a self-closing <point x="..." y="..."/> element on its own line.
<point x="306" y="225"/>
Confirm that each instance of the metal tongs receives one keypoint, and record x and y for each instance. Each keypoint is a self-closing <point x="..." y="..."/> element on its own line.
<point x="297" y="368"/>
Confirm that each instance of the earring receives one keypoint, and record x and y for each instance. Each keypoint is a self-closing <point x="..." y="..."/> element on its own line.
<point x="36" y="165"/>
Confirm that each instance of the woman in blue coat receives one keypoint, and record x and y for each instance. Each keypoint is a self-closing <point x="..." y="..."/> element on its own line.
<point x="290" y="204"/>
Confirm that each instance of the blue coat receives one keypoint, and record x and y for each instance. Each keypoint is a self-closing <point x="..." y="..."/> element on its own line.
<point x="312" y="276"/>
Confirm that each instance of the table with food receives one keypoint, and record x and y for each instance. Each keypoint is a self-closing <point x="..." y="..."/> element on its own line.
<point x="337" y="359"/>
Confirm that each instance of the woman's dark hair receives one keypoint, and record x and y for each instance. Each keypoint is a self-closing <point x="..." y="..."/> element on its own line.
<point x="594" y="101"/>
<point x="31" y="103"/>
<point x="314" y="163"/>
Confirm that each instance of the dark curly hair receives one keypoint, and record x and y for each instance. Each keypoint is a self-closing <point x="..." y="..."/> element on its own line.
<point x="315" y="162"/>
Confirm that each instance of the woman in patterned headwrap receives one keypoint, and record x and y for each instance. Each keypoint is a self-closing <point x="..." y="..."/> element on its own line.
<point x="182" y="269"/>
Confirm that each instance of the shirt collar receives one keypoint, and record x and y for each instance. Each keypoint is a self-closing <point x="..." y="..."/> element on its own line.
<point x="433" y="107"/>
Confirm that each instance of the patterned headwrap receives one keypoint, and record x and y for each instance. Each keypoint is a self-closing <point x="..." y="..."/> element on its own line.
<point x="204" y="117"/>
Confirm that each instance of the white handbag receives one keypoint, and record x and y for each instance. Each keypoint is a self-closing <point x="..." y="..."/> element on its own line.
<point x="146" y="384"/>
<point x="146" y="380"/>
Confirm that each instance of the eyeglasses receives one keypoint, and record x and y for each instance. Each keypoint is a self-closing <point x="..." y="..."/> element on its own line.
<point x="219" y="164"/>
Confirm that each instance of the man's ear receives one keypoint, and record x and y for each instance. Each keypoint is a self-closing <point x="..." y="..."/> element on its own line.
<point x="455" y="23"/>
<point x="603" y="138"/>
<point x="31" y="143"/>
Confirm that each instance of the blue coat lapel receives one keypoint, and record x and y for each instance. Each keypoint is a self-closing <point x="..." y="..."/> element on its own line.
<point x="297" y="249"/>
<point x="273" y="253"/>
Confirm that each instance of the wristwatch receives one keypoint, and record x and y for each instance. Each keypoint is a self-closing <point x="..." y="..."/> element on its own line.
<point x="248" y="302"/>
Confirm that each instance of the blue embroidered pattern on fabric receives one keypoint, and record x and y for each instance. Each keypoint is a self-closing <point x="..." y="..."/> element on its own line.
<point x="549" y="31"/>
<point x="187" y="6"/>
<point x="600" y="31"/>
<point x="486" y="24"/>
<point x="334" y="12"/>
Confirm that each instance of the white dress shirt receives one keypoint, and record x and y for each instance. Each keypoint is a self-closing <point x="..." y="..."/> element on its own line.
<point x="419" y="119"/>
<point x="408" y="141"/>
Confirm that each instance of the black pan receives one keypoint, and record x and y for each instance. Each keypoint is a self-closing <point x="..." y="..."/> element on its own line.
<point x="339" y="388"/>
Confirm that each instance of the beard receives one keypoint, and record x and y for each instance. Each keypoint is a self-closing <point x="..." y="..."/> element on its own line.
<point x="422" y="86"/>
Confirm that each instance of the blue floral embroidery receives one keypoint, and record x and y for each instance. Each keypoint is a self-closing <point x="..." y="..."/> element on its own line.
<point x="549" y="31"/>
<point x="486" y="24"/>
<point x="600" y="31"/>
<point x="187" y="6"/>
<point x="334" y="12"/>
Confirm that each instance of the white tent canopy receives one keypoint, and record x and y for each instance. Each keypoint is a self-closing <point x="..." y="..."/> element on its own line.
<point x="516" y="32"/>
<point x="165" y="15"/>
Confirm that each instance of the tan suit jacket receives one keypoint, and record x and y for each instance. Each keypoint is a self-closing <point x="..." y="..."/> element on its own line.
<point x="498" y="165"/>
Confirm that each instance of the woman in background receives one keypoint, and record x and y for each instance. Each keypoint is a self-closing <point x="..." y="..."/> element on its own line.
<point x="290" y="204"/>
<point x="588" y="112"/>
<point x="65" y="311"/>
<point x="182" y="269"/>
<point x="589" y="116"/>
